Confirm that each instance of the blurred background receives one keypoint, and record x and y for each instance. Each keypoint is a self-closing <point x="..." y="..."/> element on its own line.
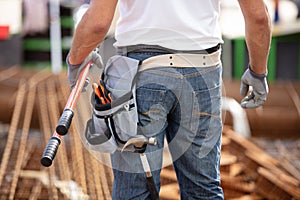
<point x="260" y="155"/>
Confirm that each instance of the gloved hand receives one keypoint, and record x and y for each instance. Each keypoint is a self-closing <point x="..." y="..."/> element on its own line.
<point x="74" y="70"/>
<point x="258" y="96"/>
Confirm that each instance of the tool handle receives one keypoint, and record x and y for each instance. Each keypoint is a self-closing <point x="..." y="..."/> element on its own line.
<point x="152" y="189"/>
<point x="64" y="122"/>
<point x="50" y="151"/>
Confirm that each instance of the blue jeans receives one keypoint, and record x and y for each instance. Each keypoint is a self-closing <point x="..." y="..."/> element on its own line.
<point x="183" y="105"/>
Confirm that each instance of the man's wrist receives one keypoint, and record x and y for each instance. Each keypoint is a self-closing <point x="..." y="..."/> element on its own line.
<point x="256" y="75"/>
<point x="71" y="65"/>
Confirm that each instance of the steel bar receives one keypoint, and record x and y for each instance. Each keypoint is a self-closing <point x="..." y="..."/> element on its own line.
<point x="77" y="154"/>
<point x="13" y="127"/>
<point x="25" y="130"/>
<point x="62" y="159"/>
<point x="30" y="101"/>
<point x="8" y="73"/>
<point x="46" y="129"/>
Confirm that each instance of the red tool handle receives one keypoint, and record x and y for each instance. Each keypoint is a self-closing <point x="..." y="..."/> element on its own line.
<point x="65" y="120"/>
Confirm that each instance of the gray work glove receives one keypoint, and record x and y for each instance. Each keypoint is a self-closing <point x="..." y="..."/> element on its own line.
<point x="74" y="70"/>
<point x="258" y="96"/>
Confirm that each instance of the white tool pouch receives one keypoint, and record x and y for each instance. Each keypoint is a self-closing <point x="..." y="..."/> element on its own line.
<point x="112" y="124"/>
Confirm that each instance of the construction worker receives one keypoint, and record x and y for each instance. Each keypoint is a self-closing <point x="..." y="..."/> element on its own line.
<point x="182" y="104"/>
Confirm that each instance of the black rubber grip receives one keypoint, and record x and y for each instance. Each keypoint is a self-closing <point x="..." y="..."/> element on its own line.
<point x="50" y="151"/>
<point x="152" y="189"/>
<point x="64" y="122"/>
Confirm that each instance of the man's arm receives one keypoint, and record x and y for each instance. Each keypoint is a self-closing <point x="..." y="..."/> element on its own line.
<point x="258" y="39"/>
<point x="92" y="29"/>
<point x="257" y="32"/>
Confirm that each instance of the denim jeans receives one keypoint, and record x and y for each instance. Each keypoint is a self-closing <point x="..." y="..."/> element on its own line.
<point x="182" y="105"/>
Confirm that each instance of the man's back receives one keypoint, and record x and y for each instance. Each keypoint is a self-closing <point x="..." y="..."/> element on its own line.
<point x="176" y="24"/>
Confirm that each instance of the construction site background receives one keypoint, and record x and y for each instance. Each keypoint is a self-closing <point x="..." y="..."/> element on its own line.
<point x="262" y="165"/>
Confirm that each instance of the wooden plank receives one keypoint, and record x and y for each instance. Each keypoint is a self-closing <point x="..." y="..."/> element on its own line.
<point x="225" y="140"/>
<point x="261" y="159"/>
<point x="232" y="194"/>
<point x="282" y="188"/>
<point x="290" y="168"/>
<point x="279" y="172"/>
<point x="286" y="159"/>
<point x="245" y="144"/>
<point x="236" y="169"/>
<point x="227" y="159"/>
<point x="249" y="197"/>
<point x="234" y="179"/>
<point x="244" y="187"/>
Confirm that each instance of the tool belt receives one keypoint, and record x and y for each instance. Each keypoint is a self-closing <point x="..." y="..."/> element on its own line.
<point x="182" y="60"/>
<point x="115" y="118"/>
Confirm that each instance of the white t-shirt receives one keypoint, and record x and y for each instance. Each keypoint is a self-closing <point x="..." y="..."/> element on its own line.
<point x="174" y="24"/>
